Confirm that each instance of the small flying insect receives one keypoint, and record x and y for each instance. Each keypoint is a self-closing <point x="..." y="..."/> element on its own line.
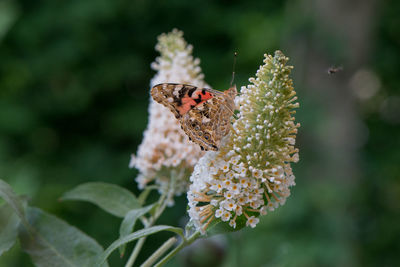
<point x="333" y="70"/>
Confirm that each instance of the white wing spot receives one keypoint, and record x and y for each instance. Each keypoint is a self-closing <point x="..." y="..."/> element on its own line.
<point x="205" y="120"/>
<point x="177" y="89"/>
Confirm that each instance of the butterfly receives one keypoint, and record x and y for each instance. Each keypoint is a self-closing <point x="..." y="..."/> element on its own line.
<point x="204" y="114"/>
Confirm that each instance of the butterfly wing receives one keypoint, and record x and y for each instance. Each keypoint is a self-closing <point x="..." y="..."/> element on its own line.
<point x="208" y="123"/>
<point x="204" y="113"/>
<point x="180" y="98"/>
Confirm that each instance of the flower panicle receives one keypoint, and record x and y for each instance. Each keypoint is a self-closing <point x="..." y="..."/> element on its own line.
<point x="176" y="63"/>
<point x="251" y="174"/>
<point x="166" y="151"/>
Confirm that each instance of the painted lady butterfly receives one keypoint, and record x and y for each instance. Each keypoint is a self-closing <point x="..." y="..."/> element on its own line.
<point x="204" y="114"/>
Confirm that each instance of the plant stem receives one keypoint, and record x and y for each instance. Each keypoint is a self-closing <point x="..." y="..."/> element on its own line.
<point x="159" y="252"/>
<point x="163" y="201"/>
<point x="135" y="252"/>
<point x="184" y="243"/>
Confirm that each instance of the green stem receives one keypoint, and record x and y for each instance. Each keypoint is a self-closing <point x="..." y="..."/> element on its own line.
<point x="163" y="201"/>
<point x="159" y="252"/>
<point x="135" y="252"/>
<point x="143" y="196"/>
<point x="184" y="243"/>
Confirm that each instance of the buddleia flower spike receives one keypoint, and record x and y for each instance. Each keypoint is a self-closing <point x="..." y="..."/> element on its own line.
<point x="251" y="173"/>
<point x="166" y="151"/>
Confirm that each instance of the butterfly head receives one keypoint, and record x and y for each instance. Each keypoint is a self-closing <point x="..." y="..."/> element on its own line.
<point x="231" y="92"/>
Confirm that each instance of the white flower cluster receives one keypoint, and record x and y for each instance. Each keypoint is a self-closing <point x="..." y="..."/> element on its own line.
<point x="251" y="174"/>
<point x="166" y="151"/>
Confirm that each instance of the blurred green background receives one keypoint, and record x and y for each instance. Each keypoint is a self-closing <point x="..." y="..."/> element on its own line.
<point x="74" y="90"/>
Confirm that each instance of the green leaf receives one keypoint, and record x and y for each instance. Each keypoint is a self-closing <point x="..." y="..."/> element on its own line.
<point x="129" y="221"/>
<point x="7" y="193"/>
<point x="54" y="243"/>
<point x="219" y="227"/>
<point x="111" y="198"/>
<point x="136" y="235"/>
<point x="9" y="222"/>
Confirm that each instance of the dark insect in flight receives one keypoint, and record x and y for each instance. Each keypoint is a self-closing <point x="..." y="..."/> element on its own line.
<point x="334" y="70"/>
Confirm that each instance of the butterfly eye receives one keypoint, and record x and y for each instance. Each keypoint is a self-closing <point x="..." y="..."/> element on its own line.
<point x="193" y="125"/>
<point x="207" y="136"/>
<point x="197" y="128"/>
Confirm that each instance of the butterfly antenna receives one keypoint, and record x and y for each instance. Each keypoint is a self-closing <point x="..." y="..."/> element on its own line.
<point x="233" y="69"/>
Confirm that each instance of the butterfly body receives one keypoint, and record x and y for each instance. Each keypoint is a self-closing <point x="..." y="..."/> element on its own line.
<point x="204" y="113"/>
